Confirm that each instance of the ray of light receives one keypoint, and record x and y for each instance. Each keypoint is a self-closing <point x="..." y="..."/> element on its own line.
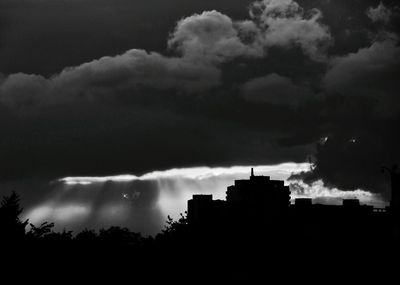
<point x="279" y="171"/>
<point x="148" y="199"/>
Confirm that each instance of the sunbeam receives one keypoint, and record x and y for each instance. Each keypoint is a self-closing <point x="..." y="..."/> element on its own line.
<point x="144" y="202"/>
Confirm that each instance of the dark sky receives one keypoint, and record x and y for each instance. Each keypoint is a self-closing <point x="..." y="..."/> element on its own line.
<point x="96" y="87"/>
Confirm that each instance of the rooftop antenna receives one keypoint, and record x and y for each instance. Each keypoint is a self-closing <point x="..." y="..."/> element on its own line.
<point x="252" y="172"/>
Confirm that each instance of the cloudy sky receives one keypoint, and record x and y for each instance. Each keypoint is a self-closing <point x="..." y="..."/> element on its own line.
<point x="94" y="88"/>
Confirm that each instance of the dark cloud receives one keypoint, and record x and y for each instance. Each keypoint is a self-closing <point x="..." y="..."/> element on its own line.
<point x="362" y="115"/>
<point x="370" y="72"/>
<point x="218" y="90"/>
<point x="204" y="41"/>
<point x="353" y="161"/>
<point x="71" y="140"/>
<point x="46" y="36"/>
<point x="275" y="89"/>
<point x="379" y="14"/>
<point x="128" y="71"/>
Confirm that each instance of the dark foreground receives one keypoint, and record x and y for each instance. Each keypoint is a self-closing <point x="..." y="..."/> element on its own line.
<point x="249" y="253"/>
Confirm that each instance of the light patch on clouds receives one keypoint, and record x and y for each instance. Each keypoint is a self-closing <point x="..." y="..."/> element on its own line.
<point x="321" y="194"/>
<point x="59" y="213"/>
<point x="280" y="171"/>
<point x="114" y="212"/>
<point x="141" y="202"/>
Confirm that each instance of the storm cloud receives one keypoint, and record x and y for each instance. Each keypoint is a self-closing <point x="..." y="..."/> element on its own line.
<point x="275" y="89"/>
<point x="203" y="42"/>
<point x="254" y="83"/>
<point x="109" y="74"/>
<point x="369" y="72"/>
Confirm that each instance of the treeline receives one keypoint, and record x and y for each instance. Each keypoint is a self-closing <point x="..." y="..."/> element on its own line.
<point x="240" y="252"/>
<point x="30" y="251"/>
<point x="14" y="230"/>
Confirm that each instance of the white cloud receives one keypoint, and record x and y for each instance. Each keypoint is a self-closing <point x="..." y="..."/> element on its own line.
<point x="215" y="37"/>
<point x="266" y="9"/>
<point x="285" y="24"/>
<point x="321" y="194"/>
<point x="279" y="171"/>
<point x="211" y="36"/>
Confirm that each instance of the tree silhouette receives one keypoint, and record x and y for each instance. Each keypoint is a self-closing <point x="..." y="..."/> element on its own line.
<point x="178" y="226"/>
<point x="41" y="231"/>
<point x="175" y="232"/>
<point x="118" y="235"/>
<point x="11" y="227"/>
<point x="86" y="236"/>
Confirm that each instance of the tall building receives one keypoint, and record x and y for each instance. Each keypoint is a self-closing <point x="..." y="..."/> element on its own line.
<point x="395" y="192"/>
<point x="254" y="199"/>
<point x="258" y="198"/>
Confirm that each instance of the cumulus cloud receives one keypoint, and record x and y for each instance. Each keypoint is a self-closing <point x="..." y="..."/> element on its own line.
<point x="211" y="36"/>
<point x="284" y="23"/>
<point x="203" y="41"/>
<point x="18" y="90"/>
<point x="381" y="13"/>
<point x="216" y="37"/>
<point x="275" y="89"/>
<point x="130" y="70"/>
<point x="369" y="72"/>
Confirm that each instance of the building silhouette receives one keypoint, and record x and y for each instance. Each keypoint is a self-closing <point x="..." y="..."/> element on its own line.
<point x="260" y="200"/>
<point x="394" y="208"/>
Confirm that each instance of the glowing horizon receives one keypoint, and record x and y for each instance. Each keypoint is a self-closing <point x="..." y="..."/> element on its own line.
<point x="143" y="202"/>
<point x="199" y="173"/>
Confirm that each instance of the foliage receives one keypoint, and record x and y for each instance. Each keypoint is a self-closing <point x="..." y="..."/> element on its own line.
<point x="176" y="226"/>
<point x="40" y="231"/>
<point x="10" y="225"/>
<point x="86" y="236"/>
